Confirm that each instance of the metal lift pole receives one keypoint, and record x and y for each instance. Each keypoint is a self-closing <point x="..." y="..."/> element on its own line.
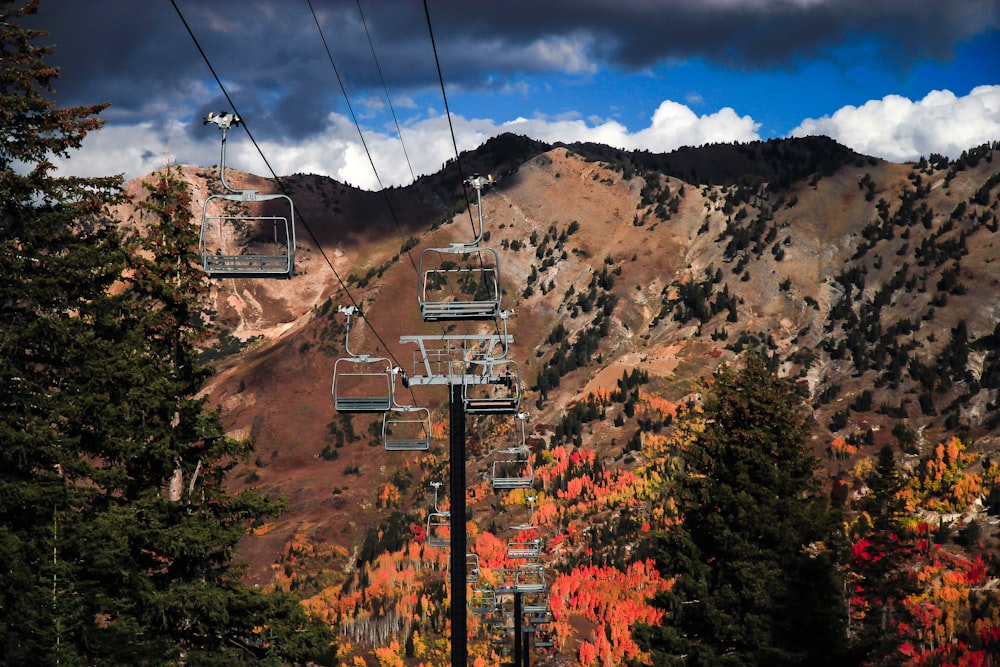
<point x="518" y="636"/>
<point x="456" y="463"/>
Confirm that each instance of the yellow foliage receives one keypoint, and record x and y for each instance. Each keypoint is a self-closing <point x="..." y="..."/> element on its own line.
<point x="863" y="468"/>
<point x="390" y="656"/>
<point x="263" y="529"/>
<point x="388" y="496"/>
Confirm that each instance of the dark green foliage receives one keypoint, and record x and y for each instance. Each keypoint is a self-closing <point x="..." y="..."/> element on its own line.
<point x="114" y="519"/>
<point x="777" y="162"/>
<point x="390" y="535"/>
<point x="752" y="587"/>
<point x="571" y="424"/>
<point x="570" y="356"/>
<point x="887" y="579"/>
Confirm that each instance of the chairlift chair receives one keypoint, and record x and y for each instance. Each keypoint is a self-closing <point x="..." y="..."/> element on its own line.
<point x="461" y="282"/>
<point x="525" y="545"/>
<point x="524" y="549"/>
<point x="236" y="240"/>
<point x="538" y="610"/>
<point x="439" y="529"/>
<point x="543" y="640"/>
<point x="482" y="601"/>
<point x="499" y="391"/>
<point x="471" y="568"/>
<point x="361" y="382"/>
<point x="511" y="469"/>
<point x="406" y="428"/>
<point x="438" y="523"/>
<point x="523" y="579"/>
<point x="529" y="578"/>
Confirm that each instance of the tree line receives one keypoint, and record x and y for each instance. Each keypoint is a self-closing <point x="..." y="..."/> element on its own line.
<point x="117" y="534"/>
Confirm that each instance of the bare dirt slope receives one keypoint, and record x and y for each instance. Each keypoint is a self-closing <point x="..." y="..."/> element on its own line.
<point x="916" y="243"/>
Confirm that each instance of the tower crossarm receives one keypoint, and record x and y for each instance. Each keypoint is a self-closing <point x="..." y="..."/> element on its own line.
<point x="444" y="360"/>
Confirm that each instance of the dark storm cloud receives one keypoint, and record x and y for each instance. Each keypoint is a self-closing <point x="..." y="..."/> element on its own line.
<point x="269" y="54"/>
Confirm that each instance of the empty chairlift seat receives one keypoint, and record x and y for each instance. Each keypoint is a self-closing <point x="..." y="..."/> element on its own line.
<point x="524" y="579"/>
<point x="461" y="282"/>
<point x="498" y="390"/>
<point x="524" y="548"/>
<point x="406" y="428"/>
<point x="252" y="243"/>
<point x="245" y="234"/>
<point x="471" y="568"/>
<point x="439" y="529"/>
<point x="512" y="469"/>
<point x="482" y="601"/>
<point x="362" y="384"/>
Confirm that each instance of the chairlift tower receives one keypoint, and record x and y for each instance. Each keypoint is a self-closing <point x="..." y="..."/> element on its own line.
<point x="462" y="283"/>
<point x="464" y="364"/>
<point x="458" y="283"/>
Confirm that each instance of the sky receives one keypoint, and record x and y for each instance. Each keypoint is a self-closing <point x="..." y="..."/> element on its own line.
<point x="334" y="87"/>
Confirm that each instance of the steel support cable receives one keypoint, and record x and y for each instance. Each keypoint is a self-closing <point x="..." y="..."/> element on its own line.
<point x="454" y="142"/>
<point x="357" y="125"/>
<point x="281" y="185"/>
<point x="354" y="118"/>
<point x="447" y="113"/>
<point x="399" y="132"/>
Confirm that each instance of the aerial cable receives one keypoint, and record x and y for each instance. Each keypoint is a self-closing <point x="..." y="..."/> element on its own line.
<point x="447" y="112"/>
<point x="357" y="125"/>
<point x="395" y="120"/>
<point x="275" y="176"/>
<point x="361" y="135"/>
<point x="454" y="142"/>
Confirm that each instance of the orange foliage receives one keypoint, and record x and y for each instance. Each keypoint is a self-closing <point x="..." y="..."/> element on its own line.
<point x="842" y="450"/>
<point x="941" y="480"/>
<point x="614" y="601"/>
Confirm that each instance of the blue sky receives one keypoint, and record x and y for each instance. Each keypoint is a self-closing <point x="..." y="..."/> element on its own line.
<point x="892" y="78"/>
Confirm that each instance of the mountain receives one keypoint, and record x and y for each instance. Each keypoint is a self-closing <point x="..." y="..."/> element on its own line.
<point x="632" y="275"/>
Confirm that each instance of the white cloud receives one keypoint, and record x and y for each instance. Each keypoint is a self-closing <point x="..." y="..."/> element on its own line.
<point x="137" y="150"/>
<point x="899" y="129"/>
<point x="674" y="125"/>
<point x="565" y="54"/>
<point x="337" y="151"/>
<point x="894" y="128"/>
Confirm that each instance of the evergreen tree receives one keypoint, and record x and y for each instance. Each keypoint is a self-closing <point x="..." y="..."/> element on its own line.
<point x="116" y="533"/>
<point x="754" y="583"/>
<point x="881" y="560"/>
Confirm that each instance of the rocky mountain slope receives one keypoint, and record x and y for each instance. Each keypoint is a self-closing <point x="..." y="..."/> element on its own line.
<point x="873" y="284"/>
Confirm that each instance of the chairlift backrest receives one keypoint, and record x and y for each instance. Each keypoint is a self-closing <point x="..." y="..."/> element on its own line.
<point x="462" y="281"/>
<point x="512" y="469"/>
<point x="523" y="579"/>
<point x="482" y="601"/>
<point x="439" y="529"/>
<point x="524" y="549"/>
<point x="459" y="283"/>
<point x="471" y="568"/>
<point x="362" y="384"/>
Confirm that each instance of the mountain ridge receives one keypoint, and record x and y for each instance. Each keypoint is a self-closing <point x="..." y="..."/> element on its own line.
<point x="871" y="284"/>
